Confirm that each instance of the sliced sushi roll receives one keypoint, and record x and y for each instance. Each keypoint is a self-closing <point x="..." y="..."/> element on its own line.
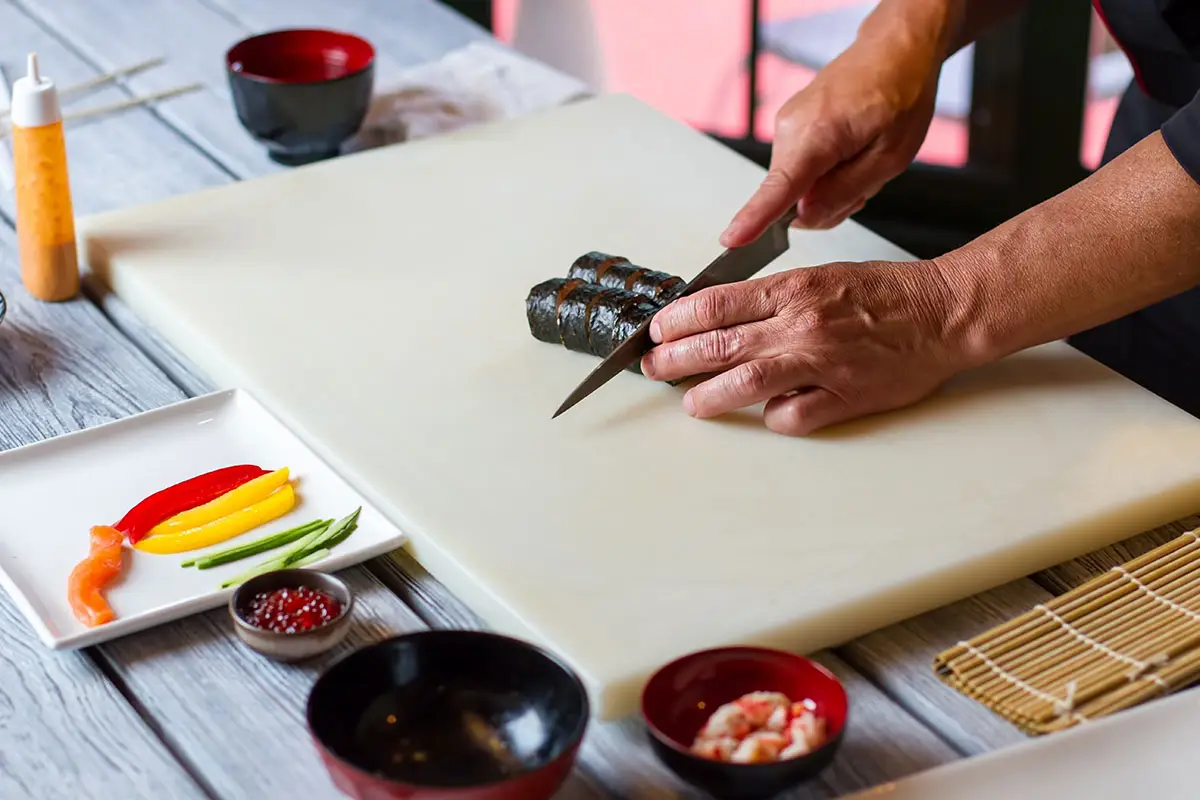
<point x="603" y="316"/>
<point x="673" y="293"/>
<point x="621" y="276"/>
<point x="591" y="266"/>
<point x="658" y="286"/>
<point x="541" y="307"/>
<point x="630" y="320"/>
<point x="573" y="316"/>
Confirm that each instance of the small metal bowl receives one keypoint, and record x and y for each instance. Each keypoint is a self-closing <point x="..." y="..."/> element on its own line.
<point x="290" y="647"/>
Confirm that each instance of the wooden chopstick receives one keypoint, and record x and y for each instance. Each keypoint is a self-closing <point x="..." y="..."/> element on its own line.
<point x="122" y="104"/>
<point x="98" y="80"/>
<point x="133" y="101"/>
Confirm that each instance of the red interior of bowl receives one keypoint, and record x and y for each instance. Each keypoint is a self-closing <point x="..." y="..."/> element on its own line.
<point x="300" y="56"/>
<point x="681" y="696"/>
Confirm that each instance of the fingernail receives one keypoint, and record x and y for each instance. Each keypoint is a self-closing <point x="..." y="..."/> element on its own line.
<point x="689" y="405"/>
<point x="648" y="364"/>
<point x="729" y="236"/>
<point x="655" y="332"/>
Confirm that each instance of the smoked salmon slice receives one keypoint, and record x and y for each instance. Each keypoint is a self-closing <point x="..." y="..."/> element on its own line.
<point x="90" y="576"/>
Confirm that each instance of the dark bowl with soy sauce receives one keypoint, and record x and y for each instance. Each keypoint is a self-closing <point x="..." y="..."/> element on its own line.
<point x="449" y="715"/>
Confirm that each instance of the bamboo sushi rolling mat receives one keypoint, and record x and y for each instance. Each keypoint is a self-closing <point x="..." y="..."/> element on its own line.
<point x="1120" y="639"/>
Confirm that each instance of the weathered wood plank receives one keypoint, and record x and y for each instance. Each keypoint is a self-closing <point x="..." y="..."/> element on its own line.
<point x="899" y="660"/>
<point x="194" y="37"/>
<point x="65" y="729"/>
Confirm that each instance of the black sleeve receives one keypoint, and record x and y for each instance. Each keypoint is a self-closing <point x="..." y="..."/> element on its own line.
<point x="1182" y="134"/>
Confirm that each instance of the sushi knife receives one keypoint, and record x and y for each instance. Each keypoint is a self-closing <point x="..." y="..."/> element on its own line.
<point x="733" y="265"/>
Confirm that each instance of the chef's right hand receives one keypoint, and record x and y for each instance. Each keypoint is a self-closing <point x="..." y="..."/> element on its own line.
<point x="857" y="125"/>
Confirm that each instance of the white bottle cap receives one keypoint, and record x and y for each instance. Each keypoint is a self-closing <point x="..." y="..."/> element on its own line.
<point x="34" y="99"/>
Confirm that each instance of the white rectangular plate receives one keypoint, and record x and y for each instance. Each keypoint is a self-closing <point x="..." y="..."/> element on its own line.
<point x="54" y="491"/>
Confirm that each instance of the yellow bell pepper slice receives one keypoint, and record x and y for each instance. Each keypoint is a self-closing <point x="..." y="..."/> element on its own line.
<point x="246" y="495"/>
<point x="217" y="531"/>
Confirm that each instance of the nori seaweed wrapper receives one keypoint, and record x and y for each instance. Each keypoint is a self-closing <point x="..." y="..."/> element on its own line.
<point x="671" y="292"/>
<point x="656" y="285"/>
<point x="541" y="308"/>
<point x="573" y="316"/>
<point x="630" y="320"/>
<point x="621" y="276"/>
<point x="603" y="317"/>
<point x="591" y="266"/>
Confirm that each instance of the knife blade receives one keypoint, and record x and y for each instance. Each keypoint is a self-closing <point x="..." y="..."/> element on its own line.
<point x="733" y="265"/>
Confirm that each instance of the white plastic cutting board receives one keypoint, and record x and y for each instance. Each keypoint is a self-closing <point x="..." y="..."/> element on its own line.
<point x="376" y="304"/>
<point x="1144" y="752"/>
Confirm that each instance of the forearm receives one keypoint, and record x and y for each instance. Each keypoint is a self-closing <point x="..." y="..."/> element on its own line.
<point x="976" y="17"/>
<point x="938" y="27"/>
<point x="1126" y="237"/>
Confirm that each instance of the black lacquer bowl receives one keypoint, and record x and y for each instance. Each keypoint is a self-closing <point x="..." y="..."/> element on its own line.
<point x="449" y="715"/>
<point x="301" y="92"/>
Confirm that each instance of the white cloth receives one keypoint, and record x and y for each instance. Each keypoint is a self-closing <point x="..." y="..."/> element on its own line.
<point x="480" y="82"/>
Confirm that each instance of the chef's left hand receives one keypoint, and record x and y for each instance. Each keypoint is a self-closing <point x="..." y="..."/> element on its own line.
<point x="820" y="345"/>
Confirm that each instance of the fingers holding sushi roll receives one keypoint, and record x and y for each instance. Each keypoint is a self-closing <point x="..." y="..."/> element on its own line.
<point x="820" y="345"/>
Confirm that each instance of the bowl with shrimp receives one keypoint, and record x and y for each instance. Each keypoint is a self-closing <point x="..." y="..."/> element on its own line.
<point x="745" y="723"/>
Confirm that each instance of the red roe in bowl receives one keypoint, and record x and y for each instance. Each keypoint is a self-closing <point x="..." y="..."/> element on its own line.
<point x="293" y="609"/>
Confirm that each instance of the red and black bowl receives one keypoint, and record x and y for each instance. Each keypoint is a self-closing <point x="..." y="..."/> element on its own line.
<point x="449" y="715"/>
<point x="680" y="697"/>
<point x="301" y="92"/>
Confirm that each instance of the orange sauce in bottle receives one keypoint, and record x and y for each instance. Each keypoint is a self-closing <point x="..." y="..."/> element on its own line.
<point x="45" y="213"/>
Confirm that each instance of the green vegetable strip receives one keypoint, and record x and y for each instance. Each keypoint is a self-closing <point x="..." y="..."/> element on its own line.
<point x="257" y="546"/>
<point x="335" y="534"/>
<point x="319" y="541"/>
<point x="311" y="558"/>
<point x="266" y="566"/>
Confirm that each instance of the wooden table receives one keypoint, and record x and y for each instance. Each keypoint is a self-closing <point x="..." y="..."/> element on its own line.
<point x="183" y="710"/>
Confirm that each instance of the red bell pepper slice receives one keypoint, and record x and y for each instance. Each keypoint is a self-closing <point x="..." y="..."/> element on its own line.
<point x="182" y="496"/>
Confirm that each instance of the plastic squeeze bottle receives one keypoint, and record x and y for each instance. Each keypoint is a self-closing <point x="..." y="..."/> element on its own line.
<point x="45" y="216"/>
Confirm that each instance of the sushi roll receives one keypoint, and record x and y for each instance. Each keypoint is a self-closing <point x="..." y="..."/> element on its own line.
<point x="605" y="312"/>
<point x="657" y="286"/>
<point x="591" y="266"/>
<point x="541" y="307"/>
<point x="630" y="320"/>
<point x="621" y="276"/>
<point x="573" y="316"/>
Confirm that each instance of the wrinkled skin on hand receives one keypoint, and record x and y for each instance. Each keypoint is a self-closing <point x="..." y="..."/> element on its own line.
<point x="820" y="345"/>
<point x="857" y="125"/>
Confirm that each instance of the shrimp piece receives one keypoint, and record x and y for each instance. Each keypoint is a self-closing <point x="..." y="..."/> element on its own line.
<point x="759" y="747"/>
<point x="92" y="574"/>
<point x="728" y="720"/>
<point x="809" y="729"/>
<point x="759" y="706"/>
<point x="720" y="748"/>
<point x="778" y="721"/>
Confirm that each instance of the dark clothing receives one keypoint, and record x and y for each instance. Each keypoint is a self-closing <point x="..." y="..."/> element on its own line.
<point x="1159" y="346"/>
<point x="1162" y="40"/>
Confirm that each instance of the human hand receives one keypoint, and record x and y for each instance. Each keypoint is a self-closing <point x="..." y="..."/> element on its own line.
<point x="820" y="345"/>
<point x="857" y="125"/>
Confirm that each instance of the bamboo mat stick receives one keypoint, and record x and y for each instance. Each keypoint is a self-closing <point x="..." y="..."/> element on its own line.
<point x="1124" y="637"/>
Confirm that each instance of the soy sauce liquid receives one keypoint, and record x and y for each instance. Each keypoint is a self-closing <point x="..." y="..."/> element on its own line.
<point x="450" y="738"/>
